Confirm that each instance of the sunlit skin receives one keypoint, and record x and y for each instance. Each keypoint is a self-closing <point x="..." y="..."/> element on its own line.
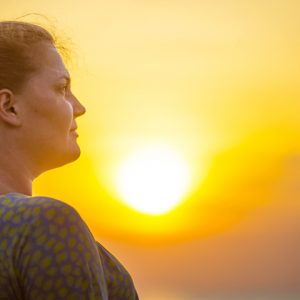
<point x="37" y="124"/>
<point x="153" y="180"/>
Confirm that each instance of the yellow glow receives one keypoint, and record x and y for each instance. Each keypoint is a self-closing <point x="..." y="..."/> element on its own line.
<point x="153" y="180"/>
<point x="220" y="83"/>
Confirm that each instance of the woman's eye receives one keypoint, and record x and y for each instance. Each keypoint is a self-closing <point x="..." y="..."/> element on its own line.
<point x="64" y="90"/>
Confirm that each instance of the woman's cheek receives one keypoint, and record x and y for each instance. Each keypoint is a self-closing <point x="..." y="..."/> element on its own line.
<point x="69" y="112"/>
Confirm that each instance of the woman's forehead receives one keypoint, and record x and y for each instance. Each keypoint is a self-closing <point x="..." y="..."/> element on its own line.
<point x="49" y="61"/>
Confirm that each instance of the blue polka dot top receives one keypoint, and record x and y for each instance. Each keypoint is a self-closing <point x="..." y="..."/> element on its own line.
<point x="48" y="252"/>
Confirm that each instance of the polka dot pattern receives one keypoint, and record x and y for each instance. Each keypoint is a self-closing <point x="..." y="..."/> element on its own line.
<point x="48" y="252"/>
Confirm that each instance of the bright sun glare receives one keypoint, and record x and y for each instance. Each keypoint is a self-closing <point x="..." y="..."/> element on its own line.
<point x="153" y="180"/>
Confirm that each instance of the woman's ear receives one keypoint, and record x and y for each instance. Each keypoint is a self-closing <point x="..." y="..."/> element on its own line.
<point x="8" y="108"/>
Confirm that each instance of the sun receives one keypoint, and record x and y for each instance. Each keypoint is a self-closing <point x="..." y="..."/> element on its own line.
<point x="153" y="180"/>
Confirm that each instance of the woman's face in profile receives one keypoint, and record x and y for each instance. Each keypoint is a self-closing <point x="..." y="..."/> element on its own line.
<point x="48" y="110"/>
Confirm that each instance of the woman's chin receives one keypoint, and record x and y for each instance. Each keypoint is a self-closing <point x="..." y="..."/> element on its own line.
<point x="67" y="157"/>
<point x="73" y="154"/>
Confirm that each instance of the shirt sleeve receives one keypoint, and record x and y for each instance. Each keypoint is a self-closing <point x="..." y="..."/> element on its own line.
<point x="119" y="282"/>
<point x="58" y="258"/>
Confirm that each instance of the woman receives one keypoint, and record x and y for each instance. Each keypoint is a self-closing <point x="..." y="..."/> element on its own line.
<point x="46" y="249"/>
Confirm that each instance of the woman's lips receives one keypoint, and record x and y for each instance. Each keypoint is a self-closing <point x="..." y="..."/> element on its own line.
<point x="73" y="131"/>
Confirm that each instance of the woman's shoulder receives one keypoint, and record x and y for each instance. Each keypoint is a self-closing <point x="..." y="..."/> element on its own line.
<point x="41" y="216"/>
<point x="18" y="199"/>
<point x="33" y="207"/>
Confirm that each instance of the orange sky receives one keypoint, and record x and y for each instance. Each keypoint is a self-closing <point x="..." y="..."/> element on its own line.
<point x="219" y="82"/>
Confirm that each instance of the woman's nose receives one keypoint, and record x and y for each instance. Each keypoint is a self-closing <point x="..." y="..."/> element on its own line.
<point x="78" y="108"/>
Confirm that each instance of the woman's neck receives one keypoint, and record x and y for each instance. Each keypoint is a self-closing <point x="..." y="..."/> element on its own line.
<point x="10" y="184"/>
<point x="14" y="176"/>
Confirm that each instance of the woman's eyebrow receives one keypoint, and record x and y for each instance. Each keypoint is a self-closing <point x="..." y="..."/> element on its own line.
<point x="67" y="78"/>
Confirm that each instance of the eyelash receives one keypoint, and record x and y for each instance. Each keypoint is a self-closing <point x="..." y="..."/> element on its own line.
<point x="64" y="89"/>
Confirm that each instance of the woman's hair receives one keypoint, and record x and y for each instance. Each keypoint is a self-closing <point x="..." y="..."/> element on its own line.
<point x="17" y="40"/>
